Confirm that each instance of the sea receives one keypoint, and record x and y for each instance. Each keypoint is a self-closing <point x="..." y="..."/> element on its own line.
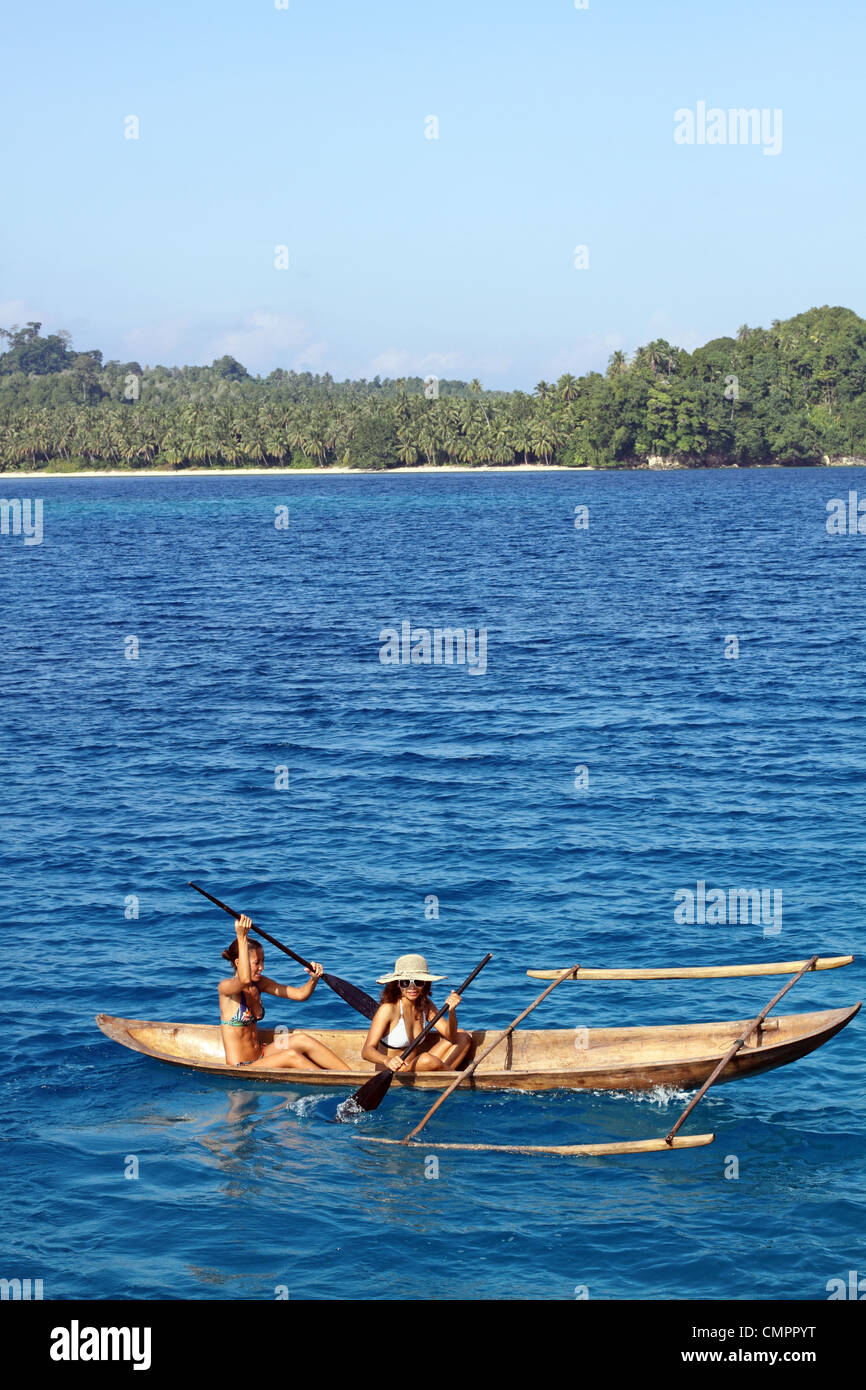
<point x="660" y="711"/>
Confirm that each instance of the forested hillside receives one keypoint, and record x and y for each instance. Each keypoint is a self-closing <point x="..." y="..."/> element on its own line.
<point x="793" y="393"/>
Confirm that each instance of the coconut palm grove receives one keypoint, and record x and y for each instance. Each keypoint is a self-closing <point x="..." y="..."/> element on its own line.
<point x="793" y="393"/>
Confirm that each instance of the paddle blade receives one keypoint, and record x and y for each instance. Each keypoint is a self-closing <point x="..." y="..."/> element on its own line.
<point x="374" y="1091"/>
<point x="353" y="996"/>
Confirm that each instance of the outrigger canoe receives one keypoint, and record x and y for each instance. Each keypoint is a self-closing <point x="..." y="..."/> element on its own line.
<point x="580" y="1059"/>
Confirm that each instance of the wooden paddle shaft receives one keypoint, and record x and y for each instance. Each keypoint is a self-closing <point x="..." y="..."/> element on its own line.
<point x="261" y="932"/>
<point x="461" y="1077"/>
<point x="735" y="1047"/>
<point x="436" y="1017"/>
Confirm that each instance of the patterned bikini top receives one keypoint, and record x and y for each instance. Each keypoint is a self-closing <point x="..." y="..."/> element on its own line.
<point x="243" y="1015"/>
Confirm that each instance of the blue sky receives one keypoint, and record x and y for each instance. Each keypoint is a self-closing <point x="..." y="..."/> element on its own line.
<point x="305" y="127"/>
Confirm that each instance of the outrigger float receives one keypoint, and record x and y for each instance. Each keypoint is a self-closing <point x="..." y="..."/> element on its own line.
<point x="589" y="1059"/>
<point x="693" y="972"/>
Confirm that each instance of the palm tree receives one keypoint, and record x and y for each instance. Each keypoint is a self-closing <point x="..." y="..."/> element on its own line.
<point x="476" y="388"/>
<point x="544" y="438"/>
<point x="407" y="451"/>
<point x="428" y="440"/>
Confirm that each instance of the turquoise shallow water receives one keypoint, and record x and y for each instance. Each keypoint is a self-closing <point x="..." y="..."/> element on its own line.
<point x="259" y="649"/>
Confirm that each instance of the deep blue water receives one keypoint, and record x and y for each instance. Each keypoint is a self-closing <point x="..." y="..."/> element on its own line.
<point x="259" y="648"/>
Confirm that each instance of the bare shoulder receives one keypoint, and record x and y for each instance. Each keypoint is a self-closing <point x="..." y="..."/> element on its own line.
<point x="382" y="1019"/>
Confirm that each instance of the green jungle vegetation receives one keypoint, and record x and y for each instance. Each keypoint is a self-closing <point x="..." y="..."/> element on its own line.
<point x="791" y="394"/>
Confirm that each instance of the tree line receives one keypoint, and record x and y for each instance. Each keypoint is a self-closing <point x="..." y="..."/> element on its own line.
<point x="791" y="394"/>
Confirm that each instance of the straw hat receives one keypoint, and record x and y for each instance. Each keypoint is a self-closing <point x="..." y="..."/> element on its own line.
<point x="410" y="968"/>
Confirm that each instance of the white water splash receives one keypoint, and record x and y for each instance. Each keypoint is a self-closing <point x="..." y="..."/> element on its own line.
<point x="306" y="1104"/>
<point x="349" y="1110"/>
<point x="658" y="1095"/>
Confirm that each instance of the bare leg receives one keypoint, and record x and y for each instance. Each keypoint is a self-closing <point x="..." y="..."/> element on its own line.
<point x="445" y="1055"/>
<point x="415" y="1061"/>
<point x="300" y="1052"/>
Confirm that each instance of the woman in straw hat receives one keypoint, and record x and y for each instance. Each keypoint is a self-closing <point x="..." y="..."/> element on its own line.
<point x="404" y="1011"/>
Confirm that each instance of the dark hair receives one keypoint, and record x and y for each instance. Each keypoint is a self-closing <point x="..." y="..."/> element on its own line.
<point x="231" y="952"/>
<point x="391" y="993"/>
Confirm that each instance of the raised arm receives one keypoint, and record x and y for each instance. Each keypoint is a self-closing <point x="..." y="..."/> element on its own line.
<point x="241" y="979"/>
<point x="298" y="992"/>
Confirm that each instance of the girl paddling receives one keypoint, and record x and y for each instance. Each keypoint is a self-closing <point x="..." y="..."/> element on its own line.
<point x="404" y="1011"/>
<point x="241" y="1010"/>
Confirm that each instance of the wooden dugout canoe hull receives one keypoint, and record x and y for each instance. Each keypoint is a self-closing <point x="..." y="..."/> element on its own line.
<point x="693" y="972"/>
<point x="585" y="1059"/>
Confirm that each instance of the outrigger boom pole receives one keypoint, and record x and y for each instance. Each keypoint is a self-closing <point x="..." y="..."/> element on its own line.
<point x="734" y="1049"/>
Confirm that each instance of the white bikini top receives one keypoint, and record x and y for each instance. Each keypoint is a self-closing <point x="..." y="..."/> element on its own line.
<point x="398" y="1037"/>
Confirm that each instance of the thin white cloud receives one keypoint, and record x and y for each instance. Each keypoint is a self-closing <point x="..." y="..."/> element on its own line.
<point x="678" y="335"/>
<point x="267" y="340"/>
<point x="20" y="312"/>
<point x="586" y="354"/>
<point x="492" y="366"/>
<point x="162" y="342"/>
<point x="591" y="352"/>
<point x="396" y="362"/>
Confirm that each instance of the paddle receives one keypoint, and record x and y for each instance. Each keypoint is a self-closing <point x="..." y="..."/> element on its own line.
<point x="373" y="1092"/>
<point x="350" y="993"/>
<point x="464" y="1075"/>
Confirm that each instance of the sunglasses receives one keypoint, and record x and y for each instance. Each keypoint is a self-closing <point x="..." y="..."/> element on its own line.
<point x="409" y="984"/>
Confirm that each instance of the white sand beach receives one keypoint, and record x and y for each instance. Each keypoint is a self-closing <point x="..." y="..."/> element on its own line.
<point x="294" y="472"/>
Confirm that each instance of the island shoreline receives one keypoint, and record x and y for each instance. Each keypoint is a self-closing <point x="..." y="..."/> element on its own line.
<point x="387" y="472"/>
